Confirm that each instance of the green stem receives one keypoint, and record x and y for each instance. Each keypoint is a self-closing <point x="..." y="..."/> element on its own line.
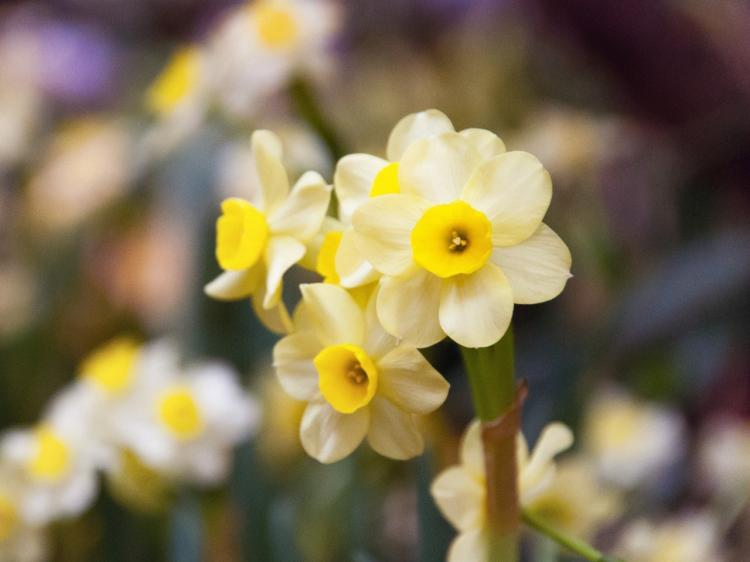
<point x="309" y="109"/>
<point x="571" y="543"/>
<point x="497" y="404"/>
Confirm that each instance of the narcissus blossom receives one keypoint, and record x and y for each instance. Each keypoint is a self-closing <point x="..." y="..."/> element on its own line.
<point x="462" y="240"/>
<point x="256" y="243"/>
<point x="461" y="491"/>
<point x="357" y="381"/>
<point x="19" y="541"/>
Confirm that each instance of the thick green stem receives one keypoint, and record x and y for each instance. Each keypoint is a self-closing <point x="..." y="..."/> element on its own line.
<point x="573" y="544"/>
<point x="498" y="406"/>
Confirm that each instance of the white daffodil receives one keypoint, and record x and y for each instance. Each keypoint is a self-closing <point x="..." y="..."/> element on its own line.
<point x="357" y="382"/>
<point x="261" y="46"/>
<point x="55" y="462"/>
<point x="184" y="425"/>
<point x="576" y="500"/>
<point x="693" y="537"/>
<point x="461" y="491"/>
<point x="19" y="541"/>
<point x="257" y="243"/>
<point x="631" y="440"/>
<point x="463" y="238"/>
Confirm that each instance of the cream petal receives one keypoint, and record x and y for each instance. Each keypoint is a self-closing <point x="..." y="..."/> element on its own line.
<point x="407" y="379"/>
<point x="555" y="439"/>
<point x="353" y="270"/>
<point x="437" y="168"/>
<point x="335" y="313"/>
<point x="353" y="180"/>
<point x="281" y="253"/>
<point x="472" y="546"/>
<point x="302" y="214"/>
<point x="476" y="309"/>
<point x="276" y="316"/>
<point x="329" y="436"/>
<point x="537" y="268"/>
<point x="408" y="307"/>
<point x="234" y="285"/>
<point x="293" y="360"/>
<point x="472" y="451"/>
<point x="272" y="178"/>
<point x="393" y="432"/>
<point x="514" y="191"/>
<point x="487" y="143"/>
<point x="310" y="260"/>
<point x="414" y="127"/>
<point x="460" y="496"/>
<point x="377" y="341"/>
<point x="383" y="226"/>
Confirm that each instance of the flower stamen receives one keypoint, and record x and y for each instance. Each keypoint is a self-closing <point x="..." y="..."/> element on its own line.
<point x="458" y="242"/>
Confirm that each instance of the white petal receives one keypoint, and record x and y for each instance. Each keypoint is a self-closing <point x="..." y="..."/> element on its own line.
<point x="461" y="497"/>
<point x="383" y="226"/>
<point x="514" y="191"/>
<point x="537" y="268"/>
<point x="352" y="268"/>
<point x="234" y="285"/>
<point x="472" y="546"/>
<point x="555" y="439"/>
<point x="353" y="180"/>
<point x="334" y="312"/>
<point x="414" y="127"/>
<point x="487" y="143"/>
<point x="281" y="253"/>
<point x="272" y="178"/>
<point x="377" y="341"/>
<point x="293" y="359"/>
<point x="302" y="214"/>
<point x="328" y="435"/>
<point x="310" y="259"/>
<point x="476" y="309"/>
<point x="437" y="168"/>
<point x="393" y="432"/>
<point x="276" y="318"/>
<point x="408" y="307"/>
<point x="406" y="378"/>
<point x="472" y="450"/>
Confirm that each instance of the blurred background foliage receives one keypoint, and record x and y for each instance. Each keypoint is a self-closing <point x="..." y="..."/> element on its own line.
<point x="639" y="109"/>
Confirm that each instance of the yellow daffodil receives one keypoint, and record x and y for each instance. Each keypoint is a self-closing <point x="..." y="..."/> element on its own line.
<point x="692" y="537"/>
<point x="462" y="239"/>
<point x="631" y="440"/>
<point x="461" y="492"/>
<point x="257" y="243"/>
<point x="178" y="84"/>
<point x="357" y="382"/>
<point x="576" y="500"/>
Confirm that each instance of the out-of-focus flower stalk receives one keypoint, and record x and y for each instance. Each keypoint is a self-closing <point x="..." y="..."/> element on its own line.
<point x="498" y="405"/>
<point x="308" y="108"/>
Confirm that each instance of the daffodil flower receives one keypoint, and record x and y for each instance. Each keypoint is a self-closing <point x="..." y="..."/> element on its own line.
<point x="360" y="177"/>
<point x="356" y="381"/>
<point x="257" y="243"/>
<point x="461" y="491"/>
<point x="19" y="541"/>
<point x="462" y="241"/>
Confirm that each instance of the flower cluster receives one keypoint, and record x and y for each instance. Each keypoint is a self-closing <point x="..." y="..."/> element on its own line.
<point x="134" y="414"/>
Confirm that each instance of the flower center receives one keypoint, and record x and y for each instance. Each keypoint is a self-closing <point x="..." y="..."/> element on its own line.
<point x="277" y="26"/>
<point x="112" y="367"/>
<point x="241" y="235"/>
<point x="326" y="265"/>
<point x="8" y="518"/>
<point x="175" y="82"/>
<point x="180" y="414"/>
<point x="452" y="239"/>
<point x="386" y="181"/>
<point x="347" y="377"/>
<point x="52" y="458"/>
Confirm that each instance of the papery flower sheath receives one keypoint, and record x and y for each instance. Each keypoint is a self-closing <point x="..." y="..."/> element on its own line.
<point x="462" y="240"/>
<point x="257" y="243"/>
<point x="461" y="491"/>
<point x="357" y="382"/>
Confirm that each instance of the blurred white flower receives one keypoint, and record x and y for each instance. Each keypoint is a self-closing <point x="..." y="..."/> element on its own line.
<point x="691" y="538"/>
<point x="17" y="298"/>
<point x="55" y="463"/>
<point x="724" y="456"/>
<point x="461" y="491"/>
<point x="19" y="541"/>
<point x="632" y="440"/>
